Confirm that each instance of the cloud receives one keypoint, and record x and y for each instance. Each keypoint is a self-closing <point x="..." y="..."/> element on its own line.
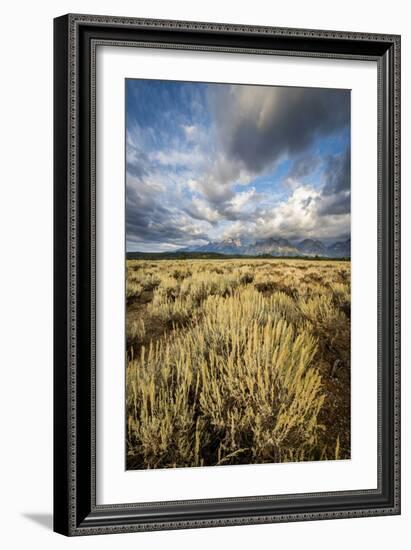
<point x="152" y="218"/>
<point x="137" y="160"/>
<point x="176" y="157"/>
<point x="337" y="184"/>
<point x="302" y="167"/>
<point x="334" y="174"/>
<point x="337" y="175"/>
<point x="335" y="204"/>
<point x="294" y="218"/>
<point x="200" y="210"/>
<point x="244" y="205"/>
<point x="258" y="125"/>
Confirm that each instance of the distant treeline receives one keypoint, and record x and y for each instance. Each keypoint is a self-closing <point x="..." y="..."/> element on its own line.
<point x="218" y="256"/>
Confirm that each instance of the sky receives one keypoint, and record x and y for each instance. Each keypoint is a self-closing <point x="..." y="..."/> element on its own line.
<point x="209" y="162"/>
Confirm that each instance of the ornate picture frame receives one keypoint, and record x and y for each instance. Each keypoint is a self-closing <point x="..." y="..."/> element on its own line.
<point x="76" y="39"/>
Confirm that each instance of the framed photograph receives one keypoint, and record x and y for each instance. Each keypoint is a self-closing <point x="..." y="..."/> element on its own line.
<point x="227" y="276"/>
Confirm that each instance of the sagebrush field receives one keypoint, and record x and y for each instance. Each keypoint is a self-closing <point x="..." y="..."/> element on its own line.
<point x="237" y="361"/>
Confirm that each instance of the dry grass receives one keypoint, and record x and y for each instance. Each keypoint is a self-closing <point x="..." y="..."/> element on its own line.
<point x="234" y="362"/>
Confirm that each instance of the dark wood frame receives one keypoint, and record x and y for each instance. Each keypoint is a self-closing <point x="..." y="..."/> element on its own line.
<point x="76" y="38"/>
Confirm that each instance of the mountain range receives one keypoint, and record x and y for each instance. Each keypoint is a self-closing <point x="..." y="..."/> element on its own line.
<point x="276" y="247"/>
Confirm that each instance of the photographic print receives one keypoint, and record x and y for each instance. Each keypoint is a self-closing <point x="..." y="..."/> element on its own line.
<point x="238" y="273"/>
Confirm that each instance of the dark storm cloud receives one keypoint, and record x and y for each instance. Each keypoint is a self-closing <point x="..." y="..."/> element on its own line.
<point x="337" y="204"/>
<point x="336" y="193"/>
<point x="337" y="175"/>
<point x="148" y="220"/>
<point x="259" y="125"/>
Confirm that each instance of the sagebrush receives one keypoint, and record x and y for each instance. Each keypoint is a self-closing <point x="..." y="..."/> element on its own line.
<point x="237" y="362"/>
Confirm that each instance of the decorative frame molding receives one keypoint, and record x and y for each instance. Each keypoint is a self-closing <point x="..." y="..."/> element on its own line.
<point x="75" y="43"/>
